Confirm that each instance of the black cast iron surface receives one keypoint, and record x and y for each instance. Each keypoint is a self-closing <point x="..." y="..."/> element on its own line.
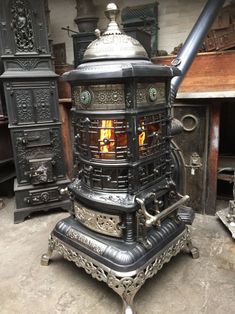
<point x="116" y="253"/>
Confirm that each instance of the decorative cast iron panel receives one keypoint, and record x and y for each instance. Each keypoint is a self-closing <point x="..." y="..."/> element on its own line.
<point x="24" y="108"/>
<point x="28" y="64"/>
<point x="48" y="195"/>
<point x="195" y="119"/>
<point x="31" y="102"/>
<point x="110" y="96"/>
<point x="41" y="171"/>
<point x="42" y="104"/>
<point x="152" y="171"/>
<point x="28" y="195"/>
<point x="98" y="221"/>
<point x="80" y="44"/>
<point x="22" y="26"/>
<point x="36" y="144"/>
<point x="146" y="91"/>
<point x="102" y="178"/>
<point x="35" y="138"/>
<point x="23" y="29"/>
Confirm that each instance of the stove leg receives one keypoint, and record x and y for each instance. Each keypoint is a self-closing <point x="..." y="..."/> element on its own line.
<point x="47" y="256"/>
<point x="126" y="288"/>
<point x="192" y="249"/>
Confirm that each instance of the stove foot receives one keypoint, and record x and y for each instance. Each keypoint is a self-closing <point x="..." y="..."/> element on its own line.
<point x="45" y="259"/>
<point x="128" y="309"/>
<point x="194" y="251"/>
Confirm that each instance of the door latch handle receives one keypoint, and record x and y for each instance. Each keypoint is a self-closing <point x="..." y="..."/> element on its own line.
<point x="194" y="163"/>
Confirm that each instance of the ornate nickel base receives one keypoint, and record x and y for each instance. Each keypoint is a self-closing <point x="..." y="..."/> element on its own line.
<point x="126" y="284"/>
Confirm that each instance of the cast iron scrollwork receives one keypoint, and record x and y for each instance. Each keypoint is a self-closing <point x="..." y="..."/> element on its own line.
<point x="42" y="103"/>
<point x="28" y="64"/>
<point x="24" y="109"/>
<point x="22" y="26"/>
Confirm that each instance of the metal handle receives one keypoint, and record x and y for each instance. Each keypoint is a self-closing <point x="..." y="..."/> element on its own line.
<point x="64" y="191"/>
<point x="153" y="220"/>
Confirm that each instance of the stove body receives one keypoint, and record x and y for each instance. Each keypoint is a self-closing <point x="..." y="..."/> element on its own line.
<point x="128" y="219"/>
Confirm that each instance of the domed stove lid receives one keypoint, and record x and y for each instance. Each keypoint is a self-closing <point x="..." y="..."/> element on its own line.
<point x="113" y="44"/>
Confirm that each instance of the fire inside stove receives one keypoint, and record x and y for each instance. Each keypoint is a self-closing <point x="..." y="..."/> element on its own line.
<point x="142" y="135"/>
<point x="107" y="139"/>
<point x="107" y="143"/>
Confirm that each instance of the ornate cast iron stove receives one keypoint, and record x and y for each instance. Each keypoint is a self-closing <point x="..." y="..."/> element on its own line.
<point x="128" y="218"/>
<point x="32" y="105"/>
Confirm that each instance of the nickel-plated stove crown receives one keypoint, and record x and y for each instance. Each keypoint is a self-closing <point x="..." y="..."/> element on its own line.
<point x="113" y="44"/>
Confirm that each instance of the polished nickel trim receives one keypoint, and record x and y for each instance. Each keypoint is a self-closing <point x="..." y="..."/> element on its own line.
<point x="125" y="284"/>
<point x="151" y="220"/>
<point x="100" y="222"/>
<point x="109" y="96"/>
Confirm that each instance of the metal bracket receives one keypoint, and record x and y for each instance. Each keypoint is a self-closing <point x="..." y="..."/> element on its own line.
<point x="145" y="220"/>
<point x="143" y="217"/>
<point x="149" y="219"/>
<point x="195" y="163"/>
<point x="69" y="30"/>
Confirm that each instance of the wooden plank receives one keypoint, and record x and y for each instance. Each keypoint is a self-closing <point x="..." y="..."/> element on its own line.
<point x="64" y="89"/>
<point x="212" y="165"/>
<point x="209" y="72"/>
<point x="66" y="136"/>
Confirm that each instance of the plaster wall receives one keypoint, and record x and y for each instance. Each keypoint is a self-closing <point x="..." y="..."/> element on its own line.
<point x="62" y="14"/>
<point x="176" y="19"/>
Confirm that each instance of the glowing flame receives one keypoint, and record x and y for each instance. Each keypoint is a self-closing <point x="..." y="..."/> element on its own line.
<point x="142" y="135"/>
<point x="106" y="136"/>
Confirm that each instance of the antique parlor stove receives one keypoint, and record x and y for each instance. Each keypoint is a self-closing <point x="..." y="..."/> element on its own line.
<point x="128" y="219"/>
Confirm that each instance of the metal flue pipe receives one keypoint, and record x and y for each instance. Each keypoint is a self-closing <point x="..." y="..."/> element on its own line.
<point x="194" y="41"/>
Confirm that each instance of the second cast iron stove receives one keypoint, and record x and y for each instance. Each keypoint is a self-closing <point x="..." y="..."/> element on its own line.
<point x="126" y="223"/>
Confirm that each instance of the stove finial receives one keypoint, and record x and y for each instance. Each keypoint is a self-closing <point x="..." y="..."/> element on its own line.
<point x="118" y="45"/>
<point x="111" y="13"/>
<point x="97" y="33"/>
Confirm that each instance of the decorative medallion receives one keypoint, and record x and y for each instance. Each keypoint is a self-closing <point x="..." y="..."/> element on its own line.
<point x="152" y="93"/>
<point x="85" y="98"/>
<point x="146" y="94"/>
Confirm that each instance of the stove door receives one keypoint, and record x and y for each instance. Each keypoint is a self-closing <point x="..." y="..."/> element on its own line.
<point x="191" y="150"/>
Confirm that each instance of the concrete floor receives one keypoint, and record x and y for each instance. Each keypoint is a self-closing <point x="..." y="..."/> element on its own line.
<point x="206" y="285"/>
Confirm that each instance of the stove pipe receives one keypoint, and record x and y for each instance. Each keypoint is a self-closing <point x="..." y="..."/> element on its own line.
<point x="194" y="41"/>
